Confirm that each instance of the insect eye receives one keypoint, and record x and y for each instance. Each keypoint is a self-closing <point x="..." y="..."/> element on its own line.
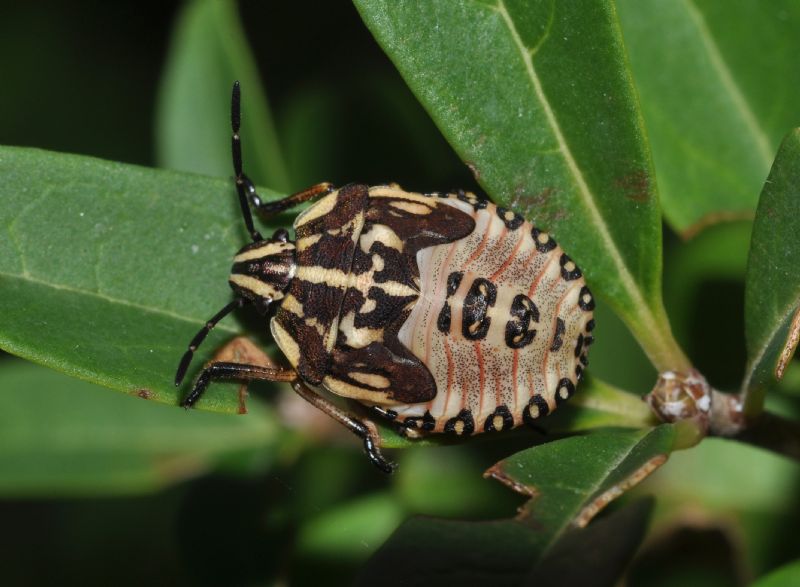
<point x="281" y="235"/>
<point x="262" y="305"/>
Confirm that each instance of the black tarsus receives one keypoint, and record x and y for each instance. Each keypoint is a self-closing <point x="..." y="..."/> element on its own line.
<point x="200" y="337"/>
<point x="244" y="187"/>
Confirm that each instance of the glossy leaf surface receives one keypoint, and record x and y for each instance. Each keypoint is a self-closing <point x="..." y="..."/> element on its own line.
<point x="108" y="270"/>
<point x="772" y="285"/>
<point x="536" y="98"/>
<point x="719" y="87"/>
<point x="572" y="479"/>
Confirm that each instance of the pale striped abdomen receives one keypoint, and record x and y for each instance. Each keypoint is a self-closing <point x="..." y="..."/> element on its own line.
<point x="503" y="323"/>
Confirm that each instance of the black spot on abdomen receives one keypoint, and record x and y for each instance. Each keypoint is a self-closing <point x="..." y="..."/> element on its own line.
<point x="475" y="321"/>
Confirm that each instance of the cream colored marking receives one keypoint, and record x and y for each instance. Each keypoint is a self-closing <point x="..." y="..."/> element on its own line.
<point x="358" y="338"/>
<point x="563" y="392"/>
<point x="316" y="325"/>
<point x="509" y="215"/>
<point x="458" y="427"/>
<point x="333" y="330"/>
<point x="465" y="207"/>
<point x="307" y="241"/>
<point x="371" y="379"/>
<point x="543" y="238"/>
<point x="267" y="249"/>
<point x="497" y="422"/>
<point x="322" y="207"/>
<point x="293" y="305"/>
<point x="349" y="227"/>
<point x="412" y="208"/>
<point x="383" y="192"/>
<point x="368" y="306"/>
<point x="377" y="263"/>
<point x="533" y="409"/>
<point x="569" y="266"/>
<point x="362" y="282"/>
<point x="285" y="342"/>
<point x="382" y="233"/>
<point x="256" y="286"/>
<point x="344" y="389"/>
<point x="586" y="298"/>
<point x="473" y="328"/>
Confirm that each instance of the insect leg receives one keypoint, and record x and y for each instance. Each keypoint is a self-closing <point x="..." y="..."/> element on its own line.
<point x="363" y="429"/>
<point x="247" y="189"/>
<point x="278" y="206"/>
<point x="240" y="371"/>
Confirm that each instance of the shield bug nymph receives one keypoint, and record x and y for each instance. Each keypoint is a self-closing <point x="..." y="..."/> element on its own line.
<point x="441" y="312"/>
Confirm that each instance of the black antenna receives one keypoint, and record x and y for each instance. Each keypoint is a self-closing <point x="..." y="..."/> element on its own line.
<point x="200" y="337"/>
<point x="244" y="186"/>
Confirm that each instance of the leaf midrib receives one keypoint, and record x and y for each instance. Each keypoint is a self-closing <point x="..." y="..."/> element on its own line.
<point x="642" y="310"/>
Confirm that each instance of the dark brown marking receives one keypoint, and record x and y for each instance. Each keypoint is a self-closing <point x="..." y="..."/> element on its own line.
<point x="590" y="325"/>
<point x="514" y="222"/>
<point x="426" y="423"/>
<point x="453" y="281"/>
<point x="568" y="275"/>
<point x="558" y="337"/>
<point x="443" y="321"/>
<point x="518" y="331"/>
<point x="464" y="416"/>
<point x="505" y="414"/>
<point x="586" y="306"/>
<point x="481" y="296"/>
<point x="543" y="409"/>
<point x="568" y="386"/>
<point x="545" y="247"/>
<point x="444" y="224"/>
<point x="579" y="346"/>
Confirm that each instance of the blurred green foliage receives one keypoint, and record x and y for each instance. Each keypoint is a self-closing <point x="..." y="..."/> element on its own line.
<point x="97" y="488"/>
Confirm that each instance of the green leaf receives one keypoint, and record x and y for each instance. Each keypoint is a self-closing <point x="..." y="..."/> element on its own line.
<point x="61" y="436"/>
<point x="108" y="270"/>
<point x="209" y="51"/>
<point x="772" y="285"/>
<point x="786" y="576"/>
<point x="536" y="98"/>
<point x="506" y="553"/>
<point x="572" y="479"/>
<point x="598" y="404"/>
<point x="719" y="87"/>
<point x="351" y="531"/>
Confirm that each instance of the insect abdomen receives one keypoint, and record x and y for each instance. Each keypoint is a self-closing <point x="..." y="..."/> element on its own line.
<point x="503" y="322"/>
